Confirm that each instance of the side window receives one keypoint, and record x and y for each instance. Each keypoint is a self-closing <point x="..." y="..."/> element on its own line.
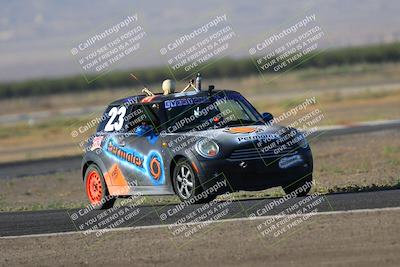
<point x="136" y="117"/>
<point x="143" y="114"/>
<point x="152" y="114"/>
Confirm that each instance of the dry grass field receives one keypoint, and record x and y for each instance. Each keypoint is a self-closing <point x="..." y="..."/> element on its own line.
<point x="344" y="94"/>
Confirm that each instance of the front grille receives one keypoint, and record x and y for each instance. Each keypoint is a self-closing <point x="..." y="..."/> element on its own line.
<point x="257" y="153"/>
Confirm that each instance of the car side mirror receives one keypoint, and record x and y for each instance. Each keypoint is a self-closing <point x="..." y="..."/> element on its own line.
<point x="267" y="117"/>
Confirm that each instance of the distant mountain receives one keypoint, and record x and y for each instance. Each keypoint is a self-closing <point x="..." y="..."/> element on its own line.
<point x="36" y="36"/>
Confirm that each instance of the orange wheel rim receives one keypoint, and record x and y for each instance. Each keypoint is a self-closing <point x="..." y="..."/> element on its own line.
<point x="94" y="189"/>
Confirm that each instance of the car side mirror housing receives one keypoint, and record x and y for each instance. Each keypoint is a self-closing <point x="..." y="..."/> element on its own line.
<point x="267" y="117"/>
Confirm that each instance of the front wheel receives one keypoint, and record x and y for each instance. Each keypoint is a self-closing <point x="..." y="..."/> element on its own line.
<point x="187" y="185"/>
<point x="299" y="188"/>
<point x="96" y="189"/>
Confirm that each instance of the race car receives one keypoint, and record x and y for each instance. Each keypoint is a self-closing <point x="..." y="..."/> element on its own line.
<point x="195" y="144"/>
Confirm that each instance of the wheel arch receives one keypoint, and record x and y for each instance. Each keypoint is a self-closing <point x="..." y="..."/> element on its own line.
<point x="193" y="162"/>
<point x="85" y="166"/>
<point x="172" y="166"/>
<point x="89" y="159"/>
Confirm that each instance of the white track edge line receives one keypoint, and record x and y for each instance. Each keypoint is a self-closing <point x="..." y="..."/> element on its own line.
<point x="216" y="221"/>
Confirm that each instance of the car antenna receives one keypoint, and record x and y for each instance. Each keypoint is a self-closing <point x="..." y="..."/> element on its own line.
<point x="210" y="89"/>
<point x="144" y="90"/>
<point x="191" y="84"/>
<point x="198" y="82"/>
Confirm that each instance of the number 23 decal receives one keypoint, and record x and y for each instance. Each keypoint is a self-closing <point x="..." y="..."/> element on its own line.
<point x="117" y="125"/>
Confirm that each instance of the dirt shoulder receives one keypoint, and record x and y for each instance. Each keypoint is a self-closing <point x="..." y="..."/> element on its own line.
<point x="345" y="163"/>
<point x="355" y="239"/>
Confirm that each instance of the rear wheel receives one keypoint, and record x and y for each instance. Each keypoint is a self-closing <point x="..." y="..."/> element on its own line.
<point x="187" y="185"/>
<point x="96" y="189"/>
<point x="300" y="187"/>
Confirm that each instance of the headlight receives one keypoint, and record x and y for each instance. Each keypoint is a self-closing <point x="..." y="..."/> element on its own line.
<point x="207" y="148"/>
<point x="303" y="141"/>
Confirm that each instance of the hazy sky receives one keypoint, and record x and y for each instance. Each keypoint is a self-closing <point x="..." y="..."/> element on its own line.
<point x="36" y="37"/>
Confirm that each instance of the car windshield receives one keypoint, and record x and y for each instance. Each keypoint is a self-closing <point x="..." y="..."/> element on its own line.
<point x="202" y="113"/>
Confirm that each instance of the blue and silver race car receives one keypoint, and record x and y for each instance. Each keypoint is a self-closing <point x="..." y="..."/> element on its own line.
<point x="194" y="144"/>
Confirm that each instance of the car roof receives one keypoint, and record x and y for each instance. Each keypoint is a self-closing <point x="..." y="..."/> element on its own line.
<point x="160" y="97"/>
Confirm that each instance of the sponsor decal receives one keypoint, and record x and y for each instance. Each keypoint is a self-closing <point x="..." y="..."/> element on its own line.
<point x="131" y="156"/>
<point x="116" y="182"/>
<point x="264" y="137"/>
<point x="96" y="142"/>
<point x="242" y="130"/>
<point x="116" y="176"/>
<point x="154" y="165"/>
<point x="288" y="162"/>
<point x="151" y="165"/>
<point x="173" y="103"/>
<point x="253" y="134"/>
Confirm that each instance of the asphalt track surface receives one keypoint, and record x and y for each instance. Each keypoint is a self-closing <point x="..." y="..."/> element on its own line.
<point x="54" y="165"/>
<point x="58" y="221"/>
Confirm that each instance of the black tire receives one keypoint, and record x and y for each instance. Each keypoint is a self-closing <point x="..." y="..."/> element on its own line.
<point x="102" y="196"/>
<point x="300" y="187"/>
<point x="195" y="189"/>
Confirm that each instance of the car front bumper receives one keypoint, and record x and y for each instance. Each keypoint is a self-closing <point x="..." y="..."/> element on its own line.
<point x="256" y="174"/>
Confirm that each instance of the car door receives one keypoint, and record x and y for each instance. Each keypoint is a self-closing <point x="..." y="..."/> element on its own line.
<point x="135" y="150"/>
